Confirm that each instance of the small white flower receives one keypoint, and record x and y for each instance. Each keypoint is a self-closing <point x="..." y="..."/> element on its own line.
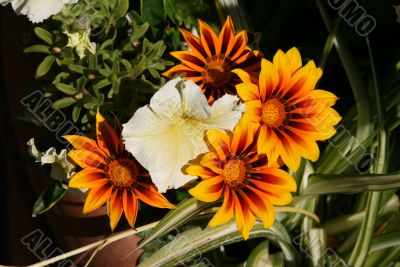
<point x="164" y="135"/>
<point x="37" y="10"/>
<point x="62" y="169"/>
<point x="80" y="41"/>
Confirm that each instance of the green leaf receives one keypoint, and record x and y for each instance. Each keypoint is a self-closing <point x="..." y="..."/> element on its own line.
<point x="341" y="224"/>
<point x="152" y="11"/>
<point x="183" y="212"/>
<point x="38" y="49"/>
<point x="385" y="241"/>
<point x="143" y="86"/>
<point x="101" y="84"/>
<point x="154" y="73"/>
<point x="65" y="88"/>
<point x="76" y="111"/>
<point x="45" y="66"/>
<point x="127" y="65"/>
<point x="80" y="83"/>
<point x="320" y="184"/>
<point x="64" y="102"/>
<point x="77" y="68"/>
<point x="139" y="30"/>
<point x="49" y="197"/>
<point x="139" y="67"/>
<point x="44" y="35"/>
<point x="197" y="242"/>
<point x="120" y="9"/>
<point x="60" y="77"/>
<point x="259" y="256"/>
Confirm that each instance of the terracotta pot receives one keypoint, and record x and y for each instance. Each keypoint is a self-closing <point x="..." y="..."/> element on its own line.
<point x="24" y="238"/>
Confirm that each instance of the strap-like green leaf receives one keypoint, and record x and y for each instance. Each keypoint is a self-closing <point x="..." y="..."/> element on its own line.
<point x="198" y="241"/>
<point x="320" y="184"/>
<point x="184" y="211"/>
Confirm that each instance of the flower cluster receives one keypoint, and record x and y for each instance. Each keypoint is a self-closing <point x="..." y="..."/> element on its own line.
<point x="233" y="120"/>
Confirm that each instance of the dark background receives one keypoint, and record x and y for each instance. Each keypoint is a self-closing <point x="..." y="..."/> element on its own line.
<point x="282" y="24"/>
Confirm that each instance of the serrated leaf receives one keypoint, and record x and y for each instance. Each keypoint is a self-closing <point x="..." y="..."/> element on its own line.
<point x="198" y="241"/>
<point x="44" y="35"/>
<point x="49" y="197"/>
<point x="45" y="66"/>
<point x="38" y="49"/>
<point x="64" y="102"/>
<point x="65" y="88"/>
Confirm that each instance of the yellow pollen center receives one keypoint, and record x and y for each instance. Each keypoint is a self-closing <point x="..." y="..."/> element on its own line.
<point x="273" y="113"/>
<point x="217" y="72"/>
<point x="234" y="172"/>
<point x="122" y="172"/>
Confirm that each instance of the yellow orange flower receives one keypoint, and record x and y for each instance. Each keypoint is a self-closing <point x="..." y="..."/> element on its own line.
<point x="212" y="58"/>
<point x="291" y="114"/>
<point x="112" y="174"/>
<point x="249" y="185"/>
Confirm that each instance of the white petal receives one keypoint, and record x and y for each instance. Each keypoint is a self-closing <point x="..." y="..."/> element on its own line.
<point x="4" y="2"/>
<point x="167" y="100"/>
<point x="37" y="10"/>
<point x="194" y="102"/>
<point x="168" y="133"/>
<point x="156" y="144"/>
<point x="225" y="112"/>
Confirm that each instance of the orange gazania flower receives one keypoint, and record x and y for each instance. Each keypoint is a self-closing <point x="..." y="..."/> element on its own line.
<point x="249" y="185"/>
<point x="212" y="59"/>
<point x="291" y="114"/>
<point x="112" y="174"/>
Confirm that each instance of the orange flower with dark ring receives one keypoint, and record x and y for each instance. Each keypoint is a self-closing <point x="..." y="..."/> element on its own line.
<point x="112" y="174"/>
<point x="290" y="113"/>
<point x="248" y="184"/>
<point x="211" y="59"/>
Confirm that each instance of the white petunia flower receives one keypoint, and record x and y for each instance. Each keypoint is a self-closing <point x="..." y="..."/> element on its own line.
<point x="164" y="135"/>
<point x="62" y="169"/>
<point x="37" y="10"/>
<point x="80" y="41"/>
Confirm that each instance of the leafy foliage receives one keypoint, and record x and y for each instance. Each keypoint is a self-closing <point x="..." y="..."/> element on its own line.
<point x="132" y="45"/>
